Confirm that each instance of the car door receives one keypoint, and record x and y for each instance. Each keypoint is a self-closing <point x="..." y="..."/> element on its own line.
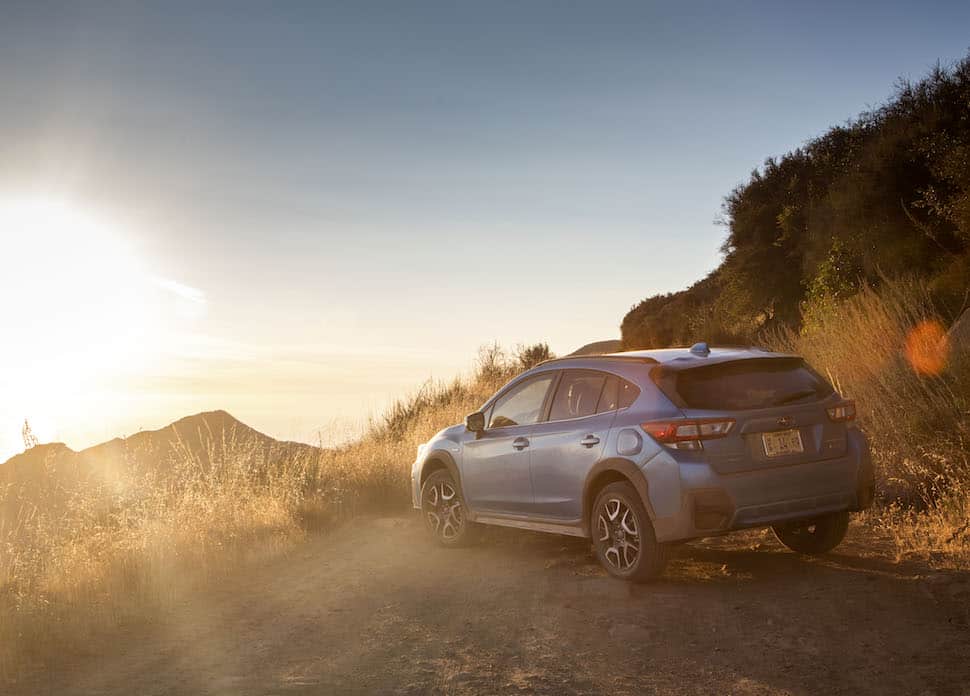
<point x="567" y="445"/>
<point x="495" y="465"/>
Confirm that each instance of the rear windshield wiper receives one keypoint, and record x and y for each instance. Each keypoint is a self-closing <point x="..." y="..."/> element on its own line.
<point x="795" y="397"/>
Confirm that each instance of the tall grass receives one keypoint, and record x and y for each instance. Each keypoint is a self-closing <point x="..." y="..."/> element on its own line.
<point x="375" y="470"/>
<point x="79" y="560"/>
<point x="888" y="350"/>
<point x="76" y="562"/>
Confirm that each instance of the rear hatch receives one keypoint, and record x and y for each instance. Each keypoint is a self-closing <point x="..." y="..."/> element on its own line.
<point x="778" y="405"/>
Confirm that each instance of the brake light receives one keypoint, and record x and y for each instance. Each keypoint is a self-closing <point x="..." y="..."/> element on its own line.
<point x="688" y="434"/>
<point x="843" y="412"/>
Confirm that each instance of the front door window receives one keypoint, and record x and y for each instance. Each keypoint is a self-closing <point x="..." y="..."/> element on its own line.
<point x="522" y="405"/>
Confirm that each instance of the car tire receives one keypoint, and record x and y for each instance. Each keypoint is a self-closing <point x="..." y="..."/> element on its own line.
<point x="444" y="510"/>
<point x="815" y="536"/>
<point x="623" y="536"/>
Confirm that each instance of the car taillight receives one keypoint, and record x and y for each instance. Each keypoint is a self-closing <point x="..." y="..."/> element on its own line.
<point x="843" y="412"/>
<point x="688" y="434"/>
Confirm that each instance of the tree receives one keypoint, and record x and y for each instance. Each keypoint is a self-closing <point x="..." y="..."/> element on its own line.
<point x="530" y="356"/>
<point x="30" y="440"/>
<point x="883" y="196"/>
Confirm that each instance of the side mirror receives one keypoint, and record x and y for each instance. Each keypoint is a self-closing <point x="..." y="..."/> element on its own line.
<point x="475" y="422"/>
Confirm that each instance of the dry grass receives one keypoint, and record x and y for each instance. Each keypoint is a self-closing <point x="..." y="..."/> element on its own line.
<point x="939" y="533"/>
<point x="119" y="550"/>
<point x="108" y="551"/>
<point x="887" y="349"/>
<point x="76" y="563"/>
<point x="375" y="471"/>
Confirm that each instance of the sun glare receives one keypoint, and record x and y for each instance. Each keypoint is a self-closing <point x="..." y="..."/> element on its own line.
<point x="76" y="303"/>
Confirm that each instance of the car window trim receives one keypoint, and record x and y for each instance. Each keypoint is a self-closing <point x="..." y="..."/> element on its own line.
<point x="579" y="418"/>
<point x="618" y="379"/>
<point x="550" y="396"/>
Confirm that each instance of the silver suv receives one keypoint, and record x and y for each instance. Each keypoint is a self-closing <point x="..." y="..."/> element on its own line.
<point x="642" y="449"/>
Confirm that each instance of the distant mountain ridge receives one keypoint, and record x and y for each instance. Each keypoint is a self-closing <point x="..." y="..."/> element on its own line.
<point x="612" y="345"/>
<point x="196" y="433"/>
<point x="200" y="439"/>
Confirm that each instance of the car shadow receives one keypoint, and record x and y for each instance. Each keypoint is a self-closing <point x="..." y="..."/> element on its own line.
<point x="751" y="615"/>
<point x="752" y="556"/>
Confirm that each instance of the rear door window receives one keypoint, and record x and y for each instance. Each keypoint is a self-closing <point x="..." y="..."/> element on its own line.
<point x="751" y="384"/>
<point x="577" y="394"/>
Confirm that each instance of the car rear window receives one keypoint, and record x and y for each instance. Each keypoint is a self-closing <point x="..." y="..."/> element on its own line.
<point x="748" y="384"/>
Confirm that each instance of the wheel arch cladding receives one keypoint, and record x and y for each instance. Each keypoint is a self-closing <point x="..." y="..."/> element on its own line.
<point x="436" y="461"/>
<point x="609" y="471"/>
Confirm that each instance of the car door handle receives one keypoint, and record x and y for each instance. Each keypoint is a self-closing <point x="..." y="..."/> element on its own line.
<point x="520" y="443"/>
<point x="589" y="441"/>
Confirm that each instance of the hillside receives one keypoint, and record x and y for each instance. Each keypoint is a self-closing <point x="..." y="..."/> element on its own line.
<point x="99" y="593"/>
<point x="122" y="530"/>
<point x="54" y="472"/>
<point x="197" y="433"/>
<point x="885" y="196"/>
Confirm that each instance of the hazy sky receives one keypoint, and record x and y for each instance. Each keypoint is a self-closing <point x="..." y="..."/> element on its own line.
<point x="295" y="211"/>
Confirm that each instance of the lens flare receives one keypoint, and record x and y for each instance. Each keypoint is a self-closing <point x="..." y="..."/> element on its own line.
<point x="78" y="310"/>
<point x="927" y="348"/>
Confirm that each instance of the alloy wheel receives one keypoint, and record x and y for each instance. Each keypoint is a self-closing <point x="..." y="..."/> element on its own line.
<point x="619" y="534"/>
<point x="443" y="510"/>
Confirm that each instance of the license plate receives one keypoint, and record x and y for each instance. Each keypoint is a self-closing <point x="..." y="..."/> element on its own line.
<point x="782" y="443"/>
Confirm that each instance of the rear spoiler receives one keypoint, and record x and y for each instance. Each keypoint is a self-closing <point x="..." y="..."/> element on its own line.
<point x="689" y="362"/>
<point x="605" y="356"/>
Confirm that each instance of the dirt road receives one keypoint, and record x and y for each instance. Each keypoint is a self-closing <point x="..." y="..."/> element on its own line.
<point x="375" y="608"/>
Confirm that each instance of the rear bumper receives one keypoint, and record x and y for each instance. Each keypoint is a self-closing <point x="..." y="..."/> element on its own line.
<point x="770" y="513"/>
<point x="713" y="503"/>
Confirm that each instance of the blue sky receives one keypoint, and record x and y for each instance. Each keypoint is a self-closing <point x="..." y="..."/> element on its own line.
<point x="367" y="192"/>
